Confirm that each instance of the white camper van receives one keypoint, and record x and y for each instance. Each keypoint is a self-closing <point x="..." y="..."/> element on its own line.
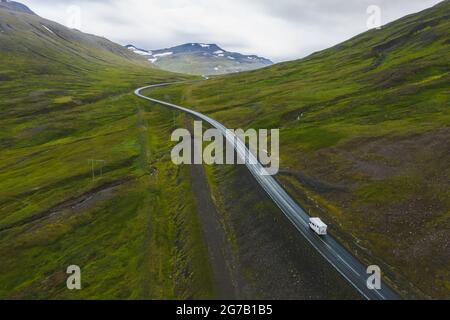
<point x="318" y="226"/>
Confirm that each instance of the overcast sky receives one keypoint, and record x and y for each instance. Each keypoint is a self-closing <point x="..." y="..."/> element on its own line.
<point x="276" y="29"/>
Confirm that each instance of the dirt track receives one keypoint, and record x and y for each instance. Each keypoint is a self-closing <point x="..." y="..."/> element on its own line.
<point x="215" y="238"/>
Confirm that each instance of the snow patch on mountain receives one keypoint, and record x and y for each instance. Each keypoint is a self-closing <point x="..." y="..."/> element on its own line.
<point x="164" y="54"/>
<point x="139" y="51"/>
<point x="48" y="29"/>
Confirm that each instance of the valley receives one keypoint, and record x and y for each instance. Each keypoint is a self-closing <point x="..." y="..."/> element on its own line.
<point x="87" y="178"/>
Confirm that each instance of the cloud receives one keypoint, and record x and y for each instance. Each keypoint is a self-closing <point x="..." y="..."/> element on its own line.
<point x="280" y="30"/>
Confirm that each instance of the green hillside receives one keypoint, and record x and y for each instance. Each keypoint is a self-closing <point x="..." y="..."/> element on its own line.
<point x="364" y="140"/>
<point x="66" y="99"/>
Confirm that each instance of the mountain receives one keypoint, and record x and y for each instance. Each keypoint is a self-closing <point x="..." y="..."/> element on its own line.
<point x="24" y="34"/>
<point x="365" y="131"/>
<point x="44" y="50"/>
<point x="201" y="59"/>
<point x="15" y="6"/>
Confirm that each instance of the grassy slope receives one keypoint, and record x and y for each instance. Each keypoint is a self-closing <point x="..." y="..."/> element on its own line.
<point x="66" y="98"/>
<point x="365" y="131"/>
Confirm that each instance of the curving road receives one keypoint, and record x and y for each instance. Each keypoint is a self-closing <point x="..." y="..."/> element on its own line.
<point x="345" y="263"/>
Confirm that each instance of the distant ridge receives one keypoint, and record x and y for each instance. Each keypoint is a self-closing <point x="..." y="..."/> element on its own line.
<point x="201" y="59"/>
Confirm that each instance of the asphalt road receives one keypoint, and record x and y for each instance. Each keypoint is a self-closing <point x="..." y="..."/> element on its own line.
<point x="344" y="262"/>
